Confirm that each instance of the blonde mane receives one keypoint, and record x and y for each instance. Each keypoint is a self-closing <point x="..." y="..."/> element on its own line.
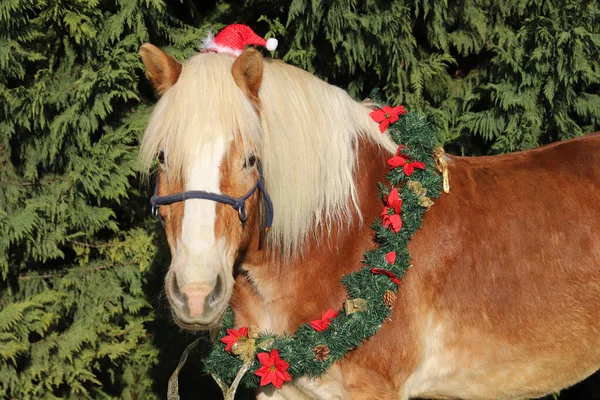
<point x="307" y="139"/>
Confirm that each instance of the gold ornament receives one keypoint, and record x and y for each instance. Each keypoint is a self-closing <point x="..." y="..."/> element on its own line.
<point x="266" y="344"/>
<point x="355" y="305"/>
<point x="425" y="202"/>
<point x="389" y="298"/>
<point x="320" y="352"/>
<point x="417" y="187"/>
<point x="442" y="166"/>
<point x="245" y="349"/>
<point x="253" y="331"/>
<point x="420" y="191"/>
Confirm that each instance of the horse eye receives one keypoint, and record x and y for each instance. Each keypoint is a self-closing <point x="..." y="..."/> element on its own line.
<point x="161" y="157"/>
<point x="251" y="161"/>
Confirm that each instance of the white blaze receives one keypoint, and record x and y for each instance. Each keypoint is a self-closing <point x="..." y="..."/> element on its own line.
<point x="198" y="226"/>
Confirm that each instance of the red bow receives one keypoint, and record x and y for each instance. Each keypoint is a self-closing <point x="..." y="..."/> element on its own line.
<point x="394" y="222"/>
<point x="321" y="324"/>
<point x="391" y="275"/>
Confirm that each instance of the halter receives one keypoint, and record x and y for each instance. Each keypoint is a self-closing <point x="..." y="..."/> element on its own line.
<point x="238" y="203"/>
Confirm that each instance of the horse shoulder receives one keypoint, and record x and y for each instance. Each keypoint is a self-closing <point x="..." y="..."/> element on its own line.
<point x="505" y="276"/>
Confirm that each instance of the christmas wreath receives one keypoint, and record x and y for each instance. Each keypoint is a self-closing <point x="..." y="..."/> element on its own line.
<point x="251" y="358"/>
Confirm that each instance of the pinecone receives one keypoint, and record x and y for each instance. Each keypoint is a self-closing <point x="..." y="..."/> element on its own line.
<point x="389" y="298"/>
<point x="321" y="352"/>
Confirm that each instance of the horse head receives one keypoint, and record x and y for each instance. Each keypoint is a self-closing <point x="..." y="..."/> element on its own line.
<point x="218" y="121"/>
<point x="209" y="187"/>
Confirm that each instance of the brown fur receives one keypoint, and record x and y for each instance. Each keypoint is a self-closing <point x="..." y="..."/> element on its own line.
<point x="507" y="262"/>
<point x="236" y="181"/>
<point x="172" y="215"/>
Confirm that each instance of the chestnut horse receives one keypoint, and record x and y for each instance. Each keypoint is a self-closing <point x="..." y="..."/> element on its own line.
<point x="502" y="300"/>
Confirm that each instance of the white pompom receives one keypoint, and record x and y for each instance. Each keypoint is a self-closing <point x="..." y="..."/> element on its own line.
<point x="272" y="44"/>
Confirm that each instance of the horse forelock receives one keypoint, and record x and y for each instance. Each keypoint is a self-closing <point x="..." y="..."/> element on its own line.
<point x="201" y="108"/>
<point x="306" y="136"/>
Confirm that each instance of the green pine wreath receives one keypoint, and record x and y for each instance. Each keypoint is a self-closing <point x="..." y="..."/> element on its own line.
<point x="310" y="352"/>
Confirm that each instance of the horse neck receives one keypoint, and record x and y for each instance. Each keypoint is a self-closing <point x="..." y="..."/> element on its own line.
<point x="294" y="291"/>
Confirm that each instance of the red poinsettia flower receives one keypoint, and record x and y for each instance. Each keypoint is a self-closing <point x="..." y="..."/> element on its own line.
<point x="394" y="201"/>
<point x="391" y="275"/>
<point x="320" y="325"/>
<point x="403" y="161"/>
<point x="390" y="257"/>
<point x="399" y="160"/>
<point x="273" y="370"/>
<point x="410" y="167"/>
<point x="387" y="115"/>
<point x="233" y="336"/>
<point x="394" y="222"/>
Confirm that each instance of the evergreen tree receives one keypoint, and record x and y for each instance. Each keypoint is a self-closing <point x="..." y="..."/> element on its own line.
<point x="74" y="238"/>
<point x="514" y="73"/>
<point x="78" y="253"/>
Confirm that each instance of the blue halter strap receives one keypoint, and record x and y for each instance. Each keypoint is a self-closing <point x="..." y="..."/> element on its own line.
<point x="238" y="204"/>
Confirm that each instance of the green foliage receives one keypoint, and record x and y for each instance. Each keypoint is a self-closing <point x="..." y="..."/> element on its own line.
<point x="76" y="248"/>
<point x="516" y="74"/>
<point x="75" y="245"/>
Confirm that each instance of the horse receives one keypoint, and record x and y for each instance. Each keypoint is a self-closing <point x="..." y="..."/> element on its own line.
<point x="503" y="297"/>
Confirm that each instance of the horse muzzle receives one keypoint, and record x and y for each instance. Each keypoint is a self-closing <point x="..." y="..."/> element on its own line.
<point x="197" y="305"/>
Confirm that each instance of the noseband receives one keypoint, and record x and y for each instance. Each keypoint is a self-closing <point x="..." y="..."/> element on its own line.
<point x="238" y="203"/>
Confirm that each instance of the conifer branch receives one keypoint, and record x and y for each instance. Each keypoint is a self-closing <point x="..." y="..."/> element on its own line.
<point x="85" y="270"/>
<point x="96" y="246"/>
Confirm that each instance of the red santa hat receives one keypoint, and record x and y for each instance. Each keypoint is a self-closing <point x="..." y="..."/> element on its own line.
<point x="233" y="38"/>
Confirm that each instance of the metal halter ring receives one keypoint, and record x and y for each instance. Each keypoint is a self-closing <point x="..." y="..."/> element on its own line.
<point x="155" y="211"/>
<point x="242" y="213"/>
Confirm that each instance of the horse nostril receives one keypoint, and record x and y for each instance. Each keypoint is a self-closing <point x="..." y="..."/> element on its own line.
<point x="175" y="292"/>
<point x="212" y="300"/>
<point x="216" y="293"/>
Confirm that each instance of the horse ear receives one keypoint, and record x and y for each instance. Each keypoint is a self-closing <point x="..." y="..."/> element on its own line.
<point x="247" y="72"/>
<point x="162" y="69"/>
